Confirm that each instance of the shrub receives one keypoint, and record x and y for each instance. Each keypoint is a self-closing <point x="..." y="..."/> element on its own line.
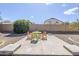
<point x="21" y="26"/>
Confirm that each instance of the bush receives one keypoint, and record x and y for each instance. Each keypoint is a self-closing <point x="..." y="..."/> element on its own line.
<point x="21" y="26"/>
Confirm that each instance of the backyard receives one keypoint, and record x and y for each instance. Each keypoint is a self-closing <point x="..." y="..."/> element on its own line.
<point x="53" y="45"/>
<point x="22" y="41"/>
<point x="31" y="29"/>
<point x="8" y="38"/>
<point x="66" y="38"/>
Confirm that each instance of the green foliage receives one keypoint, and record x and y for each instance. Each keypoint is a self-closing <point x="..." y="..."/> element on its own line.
<point x="74" y="25"/>
<point x="21" y="26"/>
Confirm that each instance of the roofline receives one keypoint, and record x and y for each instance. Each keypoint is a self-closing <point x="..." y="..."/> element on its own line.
<point x="53" y="18"/>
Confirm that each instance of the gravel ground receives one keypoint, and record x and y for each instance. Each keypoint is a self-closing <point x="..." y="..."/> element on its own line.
<point x="10" y="38"/>
<point x="65" y="37"/>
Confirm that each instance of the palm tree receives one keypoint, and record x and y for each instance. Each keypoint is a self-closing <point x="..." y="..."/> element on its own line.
<point x="78" y="23"/>
<point x="78" y="18"/>
<point x="1" y="21"/>
<point x="0" y="18"/>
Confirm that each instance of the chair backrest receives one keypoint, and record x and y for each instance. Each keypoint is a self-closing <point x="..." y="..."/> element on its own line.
<point x="45" y="33"/>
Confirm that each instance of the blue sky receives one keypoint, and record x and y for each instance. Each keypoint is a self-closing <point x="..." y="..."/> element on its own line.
<point x="39" y="12"/>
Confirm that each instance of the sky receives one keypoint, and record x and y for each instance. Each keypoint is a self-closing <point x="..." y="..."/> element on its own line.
<point x="39" y="12"/>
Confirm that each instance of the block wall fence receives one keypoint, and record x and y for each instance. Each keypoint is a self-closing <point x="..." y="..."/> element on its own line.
<point x="40" y="27"/>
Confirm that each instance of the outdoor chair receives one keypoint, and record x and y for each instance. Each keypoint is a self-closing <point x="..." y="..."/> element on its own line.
<point x="29" y="36"/>
<point x="35" y="37"/>
<point x="44" y="36"/>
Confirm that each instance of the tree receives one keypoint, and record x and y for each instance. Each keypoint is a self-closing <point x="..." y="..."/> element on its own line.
<point x="74" y="25"/>
<point x="21" y="26"/>
<point x="0" y="18"/>
<point x="78" y="23"/>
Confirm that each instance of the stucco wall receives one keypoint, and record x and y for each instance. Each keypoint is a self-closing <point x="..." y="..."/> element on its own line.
<point x="6" y="27"/>
<point x="50" y="27"/>
<point x="41" y="27"/>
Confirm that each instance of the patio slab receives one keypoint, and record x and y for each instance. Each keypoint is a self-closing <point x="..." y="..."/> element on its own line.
<point x="52" y="46"/>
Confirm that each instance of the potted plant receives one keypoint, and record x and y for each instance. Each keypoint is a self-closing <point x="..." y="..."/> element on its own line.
<point x="35" y="37"/>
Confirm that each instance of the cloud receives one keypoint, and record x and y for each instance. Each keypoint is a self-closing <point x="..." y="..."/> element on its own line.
<point x="31" y="16"/>
<point x="48" y="3"/>
<point x="71" y="11"/>
<point x="6" y="19"/>
<point x="64" y="5"/>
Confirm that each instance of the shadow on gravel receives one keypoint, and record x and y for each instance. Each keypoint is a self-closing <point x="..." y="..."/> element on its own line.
<point x="14" y="35"/>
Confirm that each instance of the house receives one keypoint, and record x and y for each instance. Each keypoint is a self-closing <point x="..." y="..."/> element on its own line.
<point x="53" y="21"/>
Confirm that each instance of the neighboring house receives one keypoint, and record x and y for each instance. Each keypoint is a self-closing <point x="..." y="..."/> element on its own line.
<point x="6" y="22"/>
<point x="53" y="21"/>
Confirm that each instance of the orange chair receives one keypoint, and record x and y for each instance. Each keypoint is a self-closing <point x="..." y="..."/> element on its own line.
<point x="44" y="36"/>
<point x="29" y="36"/>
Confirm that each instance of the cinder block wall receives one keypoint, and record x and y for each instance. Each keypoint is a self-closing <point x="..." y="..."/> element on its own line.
<point x="6" y="27"/>
<point x="41" y="27"/>
<point x="49" y="27"/>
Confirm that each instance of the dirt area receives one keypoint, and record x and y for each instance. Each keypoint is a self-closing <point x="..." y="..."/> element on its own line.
<point x="64" y="37"/>
<point x="10" y="38"/>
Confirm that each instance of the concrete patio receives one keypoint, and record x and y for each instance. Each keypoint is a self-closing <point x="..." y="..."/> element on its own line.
<point x="52" y="46"/>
